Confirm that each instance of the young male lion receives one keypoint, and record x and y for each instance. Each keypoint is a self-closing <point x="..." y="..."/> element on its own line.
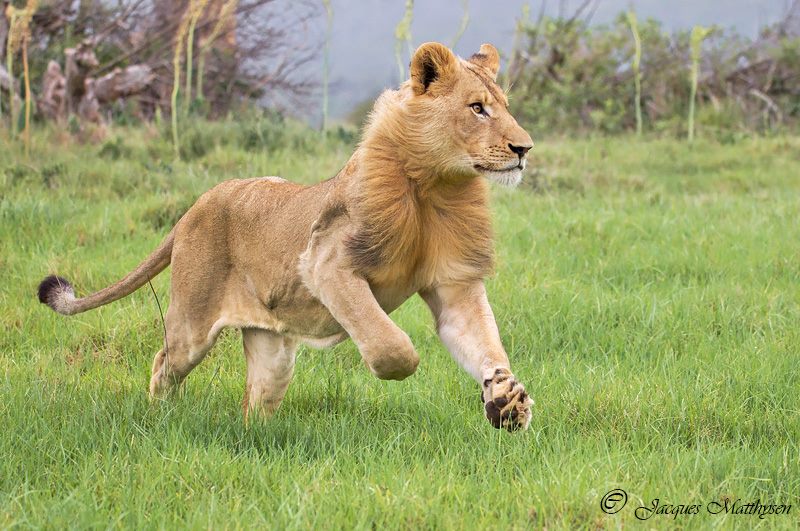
<point x="291" y="264"/>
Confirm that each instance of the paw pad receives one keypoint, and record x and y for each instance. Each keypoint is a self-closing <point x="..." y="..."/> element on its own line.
<point x="506" y="403"/>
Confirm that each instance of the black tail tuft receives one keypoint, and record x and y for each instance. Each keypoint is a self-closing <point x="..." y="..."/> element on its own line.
<point x="51" y="287"/>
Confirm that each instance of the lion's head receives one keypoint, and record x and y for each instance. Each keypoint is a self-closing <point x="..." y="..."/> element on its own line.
<point x="453" y="117"/>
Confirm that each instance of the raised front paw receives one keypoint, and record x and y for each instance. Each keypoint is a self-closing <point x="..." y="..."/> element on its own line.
<point x="506" y="403"/>
<point x="394" y="359"/>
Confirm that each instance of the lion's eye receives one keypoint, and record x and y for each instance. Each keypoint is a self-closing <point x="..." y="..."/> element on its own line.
<point x="477" y="108"/>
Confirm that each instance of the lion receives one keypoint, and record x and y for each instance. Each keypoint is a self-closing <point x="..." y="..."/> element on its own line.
<point x="289" y="264"/>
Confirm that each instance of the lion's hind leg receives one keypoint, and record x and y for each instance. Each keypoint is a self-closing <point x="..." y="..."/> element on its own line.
<point x="270" y="365"/>
<point x="185" y="347"/>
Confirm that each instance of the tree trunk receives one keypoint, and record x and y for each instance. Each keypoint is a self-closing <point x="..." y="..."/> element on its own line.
<point x="5" y="85"/>
<point x="89" y="107"/>
<point x="80" y="61"/>
<point x="52" y="101"/>
<point x="3" y="30"/>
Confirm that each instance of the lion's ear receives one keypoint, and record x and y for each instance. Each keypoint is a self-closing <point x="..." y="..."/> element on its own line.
<point x="488" y="58"/>
<point x="431" y="62"/>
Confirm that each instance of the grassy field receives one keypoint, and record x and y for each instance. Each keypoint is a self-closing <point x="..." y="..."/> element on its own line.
<point x="648" y="294"/>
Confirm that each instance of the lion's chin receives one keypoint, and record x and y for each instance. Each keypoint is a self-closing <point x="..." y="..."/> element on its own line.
<point x="510" y="178"/>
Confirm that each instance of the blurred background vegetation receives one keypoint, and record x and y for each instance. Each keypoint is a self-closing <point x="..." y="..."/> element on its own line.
<point x="571" y="76"/>
<point x="84" y="66"/>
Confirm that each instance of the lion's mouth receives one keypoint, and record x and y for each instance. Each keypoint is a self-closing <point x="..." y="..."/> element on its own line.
<point x="520" y="166"/>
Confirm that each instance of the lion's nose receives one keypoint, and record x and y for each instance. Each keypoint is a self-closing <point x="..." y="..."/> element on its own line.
<point x="520" y="150"/>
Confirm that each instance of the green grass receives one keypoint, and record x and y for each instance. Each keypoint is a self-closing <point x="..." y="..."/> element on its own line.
<point x="648" y="294"/>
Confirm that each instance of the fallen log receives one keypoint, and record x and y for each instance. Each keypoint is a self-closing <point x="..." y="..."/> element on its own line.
<point x="73" y="91"/>
<point x="123" y="83"/>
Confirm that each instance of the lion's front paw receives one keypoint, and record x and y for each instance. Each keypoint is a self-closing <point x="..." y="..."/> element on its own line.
<point x="396" y="359"/>
<point x="506" y="402"/>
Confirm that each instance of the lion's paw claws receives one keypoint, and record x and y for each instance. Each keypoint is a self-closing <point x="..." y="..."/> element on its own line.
<point x="506" y="403"/>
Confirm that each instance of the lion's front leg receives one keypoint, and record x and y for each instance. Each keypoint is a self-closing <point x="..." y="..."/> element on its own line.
<point x="466" y="325"/>
<point x="385" y="348"/>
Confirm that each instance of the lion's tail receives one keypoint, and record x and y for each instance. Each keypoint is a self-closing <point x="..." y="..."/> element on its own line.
<point x="57" y="293"/>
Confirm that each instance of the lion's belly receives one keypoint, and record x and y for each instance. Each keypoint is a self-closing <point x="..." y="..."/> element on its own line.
<point x="305" y="316"/>
<point x="288" y="307"/>
<point x="281" y="303"/>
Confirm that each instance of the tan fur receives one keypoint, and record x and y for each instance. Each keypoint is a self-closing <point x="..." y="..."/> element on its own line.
<point x="407" y="214"/>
